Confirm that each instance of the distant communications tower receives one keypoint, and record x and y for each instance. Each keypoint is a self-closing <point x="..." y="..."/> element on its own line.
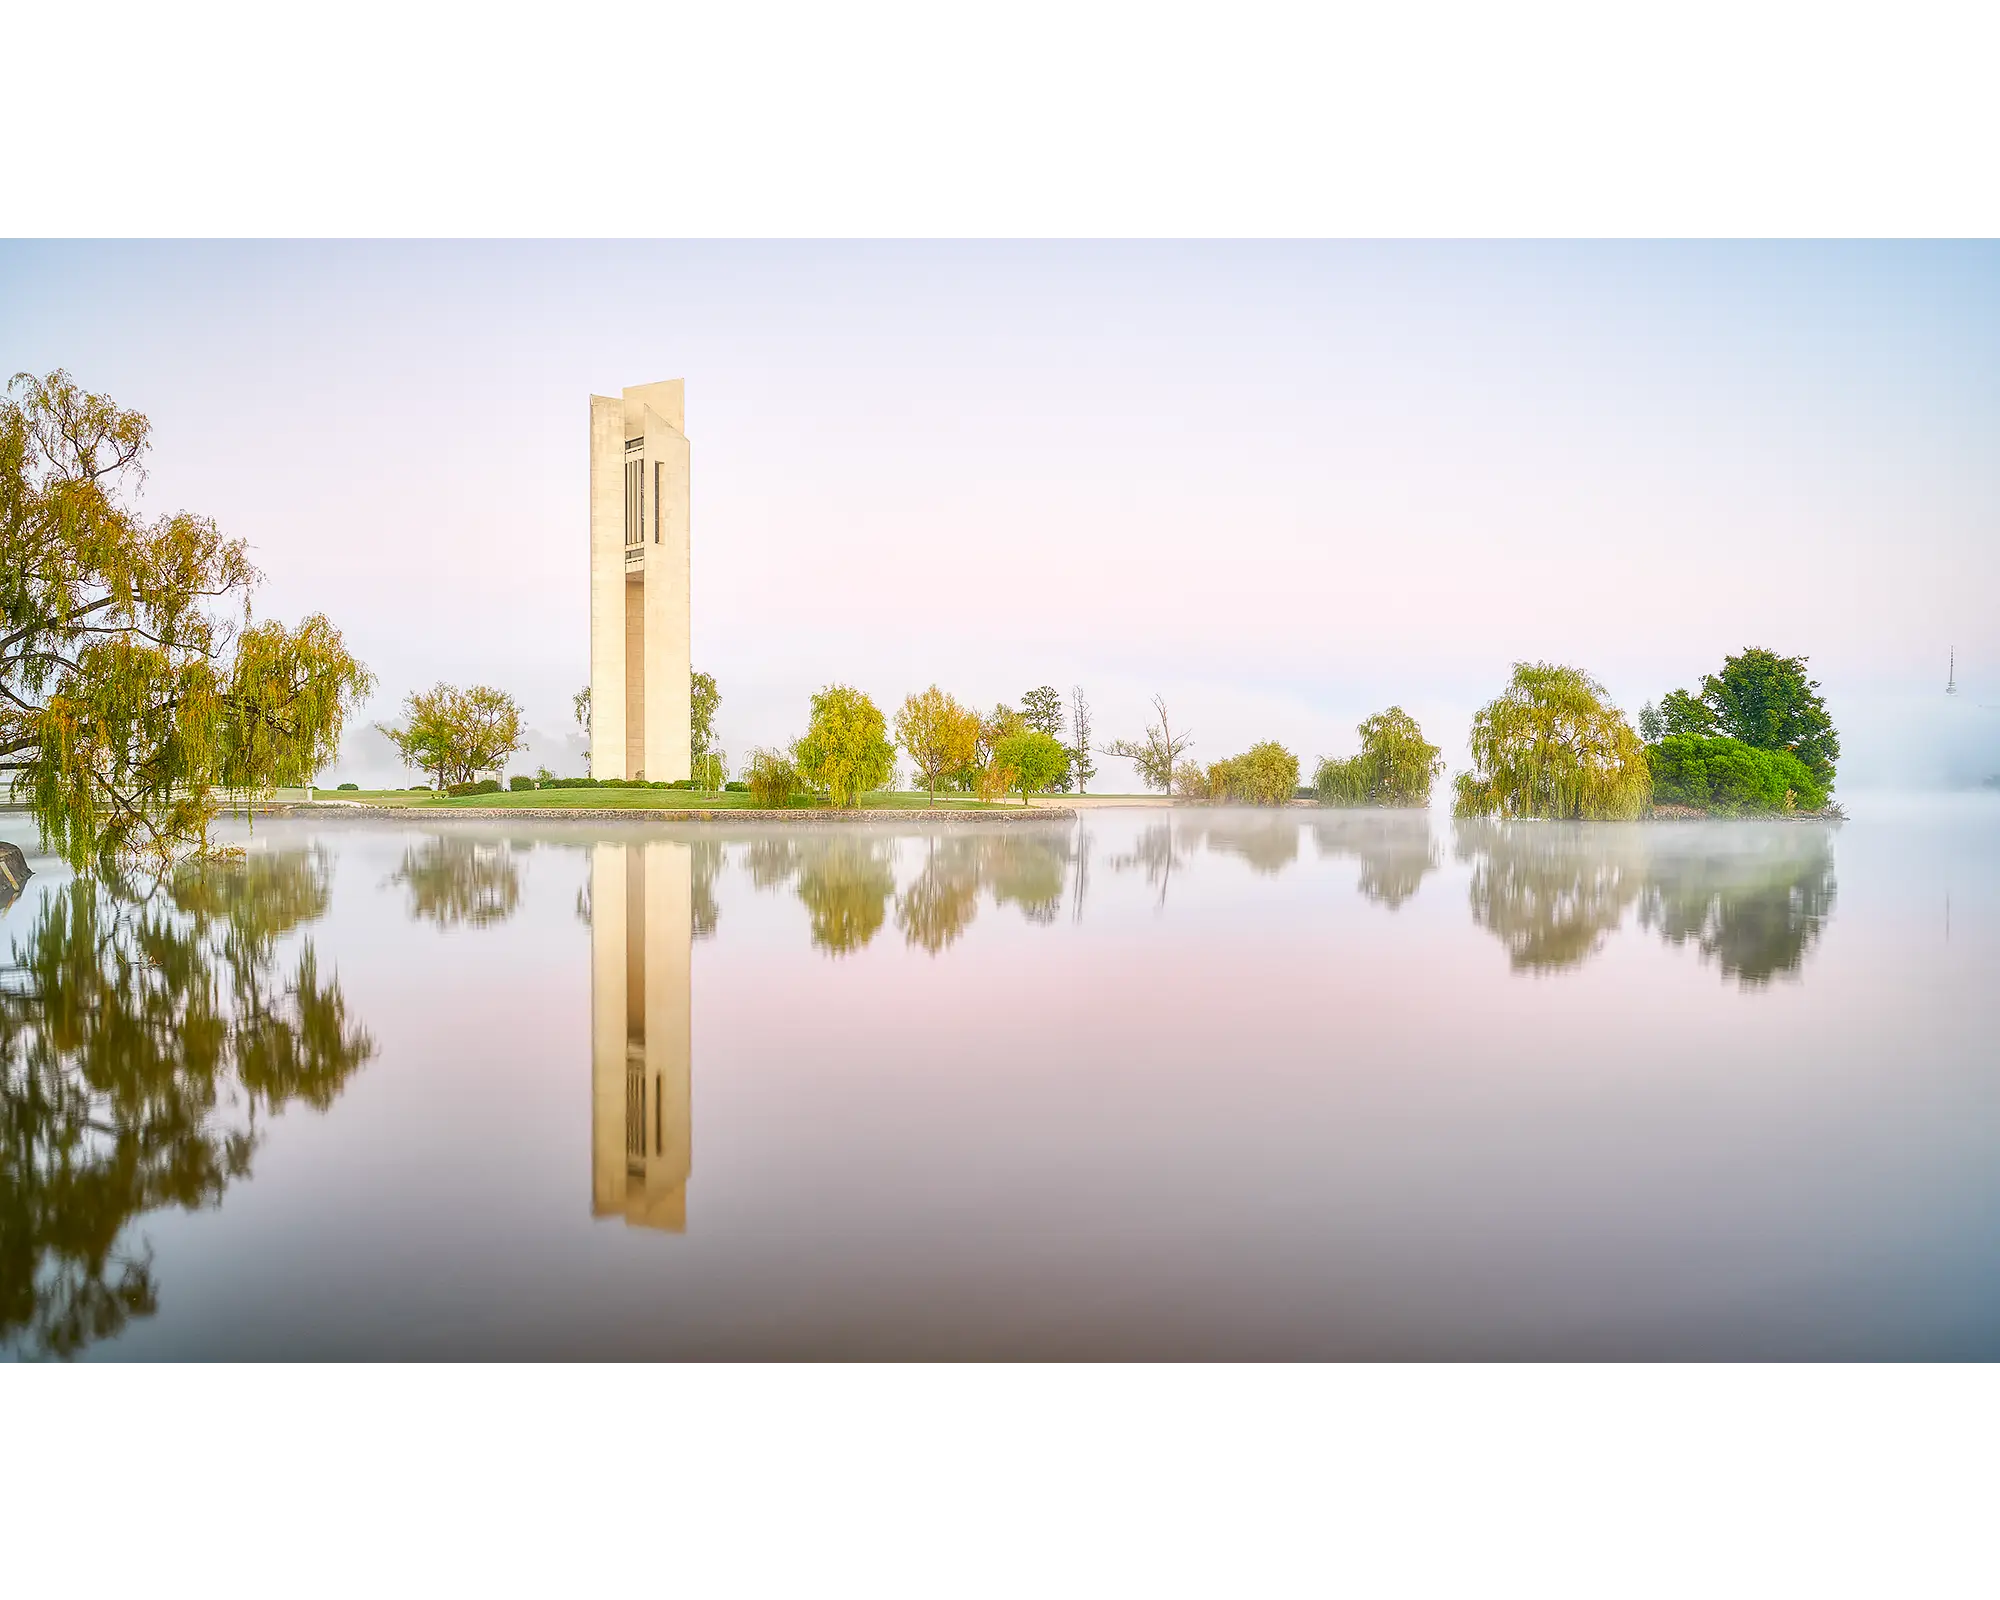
<point x="1951" y="673"/>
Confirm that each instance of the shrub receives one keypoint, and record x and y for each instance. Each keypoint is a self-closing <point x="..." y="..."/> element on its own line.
<point x="483" y="786"/>
<point x="420" y="788"/>
<point x="772" y="777"/>
<point x="1191" y="780"/>
<point x="1727" y="777"/>
<point x="569" y="783"/>
<point x="354" y="786"/>
<point x="517" y="783"/>
<point x="733" y="786"/>
<point x="681" y="783"/>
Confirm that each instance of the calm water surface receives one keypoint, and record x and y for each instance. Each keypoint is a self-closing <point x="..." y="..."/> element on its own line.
<point x="1188" y="1084"/>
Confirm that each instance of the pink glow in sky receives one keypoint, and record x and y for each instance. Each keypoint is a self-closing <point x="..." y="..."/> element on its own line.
<point x="1283" y="484"/>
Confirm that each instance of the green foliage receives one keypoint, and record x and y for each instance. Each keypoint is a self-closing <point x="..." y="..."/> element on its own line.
<point x="1652" y="726"/>
<point x="482" y="786"/>
<point x="126" y="701"/>
<point x="1037" y="760"/>
<point x="772" y="777"/>
<point x="1396" y="767"/>
<point x="703" y="700"/>
<point x="846" y="749"/>
<point x="941" y="736"/>
<point x="455" y="734"/>
<point x="1764" y="700"/>
<point x="1681" y="712"/>
<point x="1158" y="754"/>
<point x="354" y="786"/>
<point x="1728" y="777"/>
<point x="1042" y="710"/>
<point x="734" y="787"/>
<point x="1554" y="746"/>
<point x="1266" y="774"/>
<point x="579" y="705"/>
<point x="518" y="783"/>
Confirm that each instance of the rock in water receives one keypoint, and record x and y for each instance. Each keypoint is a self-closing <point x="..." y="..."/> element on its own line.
<point x="14" y="873"/>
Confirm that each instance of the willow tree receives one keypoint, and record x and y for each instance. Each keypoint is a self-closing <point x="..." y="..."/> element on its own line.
<point x="846" y="750"/>
<point x="1396" y="766"/>
<point x="135" y="685"/>
<point x="1553" y="745"/>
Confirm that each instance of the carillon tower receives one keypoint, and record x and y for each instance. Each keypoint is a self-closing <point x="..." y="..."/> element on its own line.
<point x="639" y="723"/>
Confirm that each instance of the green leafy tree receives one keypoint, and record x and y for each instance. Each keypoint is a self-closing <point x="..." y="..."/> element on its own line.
<point x="1000" y="723"/>
<point x="579" y="705"/>
<point x="1553" y="745"/>
<point x="1037" y="760"/>
<point x="455" y="734"/>
<point x="846" y="749"/>
<point x="1080" y="764"/>
<point x="941" y="736"/>
<point x="772" y="778"/>
<point x="1652" y="725"/>
<point x="1042" y="710"/>
<point x="1765" y="700"/>
<point x="129" y="698"/>
<point x="1158" y="754"/>
<point x="704" y="699"/>
<point x="1681" y="712"/>
<point x="144" y="1041"/>
<point x="1396" y="767"/>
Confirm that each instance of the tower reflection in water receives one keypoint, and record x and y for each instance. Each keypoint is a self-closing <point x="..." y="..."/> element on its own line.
<point x="641" y="944"/>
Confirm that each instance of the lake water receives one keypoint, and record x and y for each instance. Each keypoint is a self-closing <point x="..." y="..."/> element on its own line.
<point x="1155" y="1084"/>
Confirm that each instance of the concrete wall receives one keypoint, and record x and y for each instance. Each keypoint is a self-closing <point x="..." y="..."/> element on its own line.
<point x="607" y="587"/>
<point x="640" y="599"/>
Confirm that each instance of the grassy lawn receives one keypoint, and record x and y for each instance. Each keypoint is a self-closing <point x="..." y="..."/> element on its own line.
<point x="633" y="799"/>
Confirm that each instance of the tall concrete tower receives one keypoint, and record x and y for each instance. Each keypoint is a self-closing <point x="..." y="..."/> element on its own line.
<point x="639" y="722"/>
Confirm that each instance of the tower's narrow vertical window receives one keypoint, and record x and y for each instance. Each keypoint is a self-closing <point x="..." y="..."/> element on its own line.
<point x="657" y="466"/>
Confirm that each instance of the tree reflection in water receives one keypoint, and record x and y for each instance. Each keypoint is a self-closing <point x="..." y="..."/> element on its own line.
<point x="1753" y="897"/>
<point x="1157" y="851"/>
<point x="1394" y="847"/>
<point x="142" y="1039"/>
<point x="1028" y="871"/>
<point x="845" y="883"/>
<point x="456" y="880"/>
<point x="1551" y="892"/>
<point x="1268" y="843"/>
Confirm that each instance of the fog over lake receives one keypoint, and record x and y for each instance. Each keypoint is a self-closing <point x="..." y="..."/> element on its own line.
<point x="1157" y="1083"/>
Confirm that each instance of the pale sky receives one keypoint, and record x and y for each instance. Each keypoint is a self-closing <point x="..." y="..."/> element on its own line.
<point x="1285" y="485"/>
